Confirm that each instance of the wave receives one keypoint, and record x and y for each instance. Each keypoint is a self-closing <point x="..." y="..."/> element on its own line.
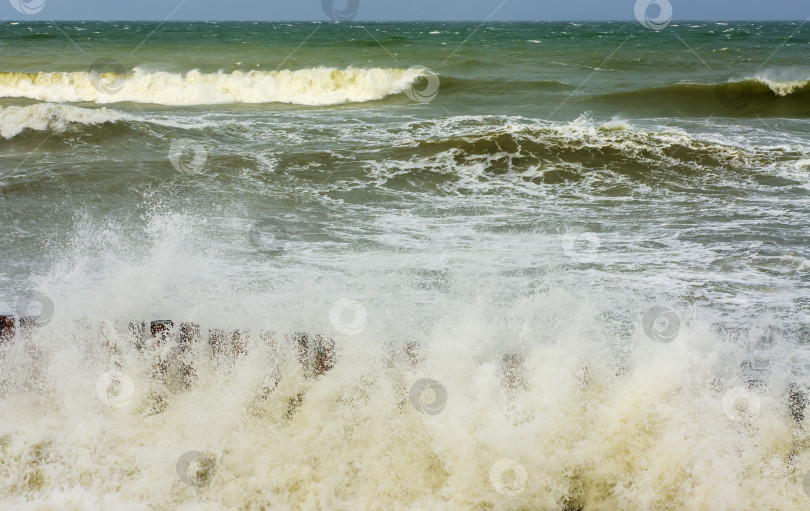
<point x="481" y="153"/>
<point x="52" y="117"/>
<point x="752" y="96"/>
<point x="59" y="118"/>
<point x="557" y="152"/>
<point x="314" y="87"/>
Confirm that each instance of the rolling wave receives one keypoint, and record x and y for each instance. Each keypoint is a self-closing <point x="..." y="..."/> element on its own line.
<point x="752" y="96"/>
<point x="314" y="87"/>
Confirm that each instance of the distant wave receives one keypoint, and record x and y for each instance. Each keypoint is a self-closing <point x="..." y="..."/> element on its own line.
<point x="761" y="96"/>
<point x="316" y="86"/>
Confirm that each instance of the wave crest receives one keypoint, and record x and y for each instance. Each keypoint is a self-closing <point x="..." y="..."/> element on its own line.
<point x="314" y="87"/>
<point x="784" y="88"/>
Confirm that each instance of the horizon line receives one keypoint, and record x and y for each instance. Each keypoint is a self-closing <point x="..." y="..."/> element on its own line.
<point x="349" y="22"/>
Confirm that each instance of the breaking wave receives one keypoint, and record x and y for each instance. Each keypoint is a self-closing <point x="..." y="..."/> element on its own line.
<point x="315" y="87"/>
<point x="51" y="117"/>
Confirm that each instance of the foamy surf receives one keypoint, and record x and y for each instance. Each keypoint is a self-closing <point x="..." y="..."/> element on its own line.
<point x="314" y="87"/>
<point x="563" y="425"/>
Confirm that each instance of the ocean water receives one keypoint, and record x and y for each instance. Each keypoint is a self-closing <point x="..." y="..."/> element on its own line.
<point x="563" y="265"/>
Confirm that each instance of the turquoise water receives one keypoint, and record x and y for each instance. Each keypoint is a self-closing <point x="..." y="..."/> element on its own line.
<point x="595" y="232"/>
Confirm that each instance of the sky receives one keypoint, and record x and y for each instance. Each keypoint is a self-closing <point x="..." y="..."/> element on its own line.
<point x="378" y="10"/>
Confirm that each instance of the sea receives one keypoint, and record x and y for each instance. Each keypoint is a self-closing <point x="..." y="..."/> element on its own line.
<point x="405" y="265"/>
